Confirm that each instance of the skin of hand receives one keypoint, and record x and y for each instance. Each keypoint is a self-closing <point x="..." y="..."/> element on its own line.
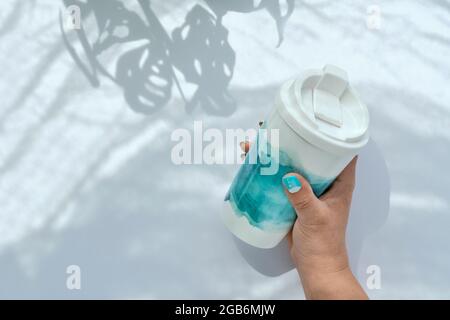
<point x="317" y="239"/>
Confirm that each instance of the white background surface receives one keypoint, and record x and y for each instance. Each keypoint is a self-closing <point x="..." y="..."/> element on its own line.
<point x="85" y="180"/>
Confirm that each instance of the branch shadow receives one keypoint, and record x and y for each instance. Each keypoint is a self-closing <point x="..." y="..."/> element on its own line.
<point x="133" y="232"/>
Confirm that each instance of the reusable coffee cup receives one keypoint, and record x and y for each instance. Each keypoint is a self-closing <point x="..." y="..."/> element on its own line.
<point x="321" y="125"/>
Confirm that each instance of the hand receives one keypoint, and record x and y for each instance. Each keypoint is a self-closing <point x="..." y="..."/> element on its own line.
<point x="317" y="239"/>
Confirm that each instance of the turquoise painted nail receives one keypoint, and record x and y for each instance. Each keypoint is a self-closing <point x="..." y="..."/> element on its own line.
<point x="292" y="184"/>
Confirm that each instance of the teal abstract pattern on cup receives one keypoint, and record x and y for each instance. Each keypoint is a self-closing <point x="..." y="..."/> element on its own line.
<point x="261" y="198"/>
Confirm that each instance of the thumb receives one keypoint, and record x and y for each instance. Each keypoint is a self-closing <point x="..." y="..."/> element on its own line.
<point x="302" y="197"/>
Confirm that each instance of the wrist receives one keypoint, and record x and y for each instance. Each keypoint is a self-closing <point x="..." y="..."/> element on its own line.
<point x="329" y="277"/>
<point x="338" y="284"/>
<point x="329" y="263"/>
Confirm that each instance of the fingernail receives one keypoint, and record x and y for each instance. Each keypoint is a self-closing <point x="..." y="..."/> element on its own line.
<point x="292" y="184"/>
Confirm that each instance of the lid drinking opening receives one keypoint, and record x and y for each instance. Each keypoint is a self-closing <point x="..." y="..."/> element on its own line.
<point x="327" y="95"/>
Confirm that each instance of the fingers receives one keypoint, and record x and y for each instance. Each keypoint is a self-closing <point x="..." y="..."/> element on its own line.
<point x="341" y="192"/>
<point x="245" y="146"/>
<point x="302" y="197"/>
<point x="289" y="239"/>
<point x="344" y="184"/>
<point x="348" y="174"/>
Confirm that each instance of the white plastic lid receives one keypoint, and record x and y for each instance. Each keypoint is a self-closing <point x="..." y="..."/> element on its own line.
<point x="323" y="108"/>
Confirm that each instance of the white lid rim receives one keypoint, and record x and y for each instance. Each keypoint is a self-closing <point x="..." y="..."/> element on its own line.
<point x="315" y="137"/>
<point x="289" y="106"/>
<point x="335" y="147"/>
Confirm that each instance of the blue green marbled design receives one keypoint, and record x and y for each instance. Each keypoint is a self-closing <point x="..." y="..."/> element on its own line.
<point x="261" y="198"/>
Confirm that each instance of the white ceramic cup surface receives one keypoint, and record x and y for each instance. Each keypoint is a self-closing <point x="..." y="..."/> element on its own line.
<point x="321" y="125"/>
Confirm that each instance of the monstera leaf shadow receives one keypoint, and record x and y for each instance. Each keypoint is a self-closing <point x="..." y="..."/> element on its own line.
<point x="273" y="7"/>
<point x="146" y="77"/>
<point x="198" y="49"/>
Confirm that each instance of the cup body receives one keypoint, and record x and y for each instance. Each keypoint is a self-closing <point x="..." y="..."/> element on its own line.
<point x="257" y="209"/>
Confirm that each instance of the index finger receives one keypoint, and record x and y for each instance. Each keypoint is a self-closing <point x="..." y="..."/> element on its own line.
<point x="345" y="182"/>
